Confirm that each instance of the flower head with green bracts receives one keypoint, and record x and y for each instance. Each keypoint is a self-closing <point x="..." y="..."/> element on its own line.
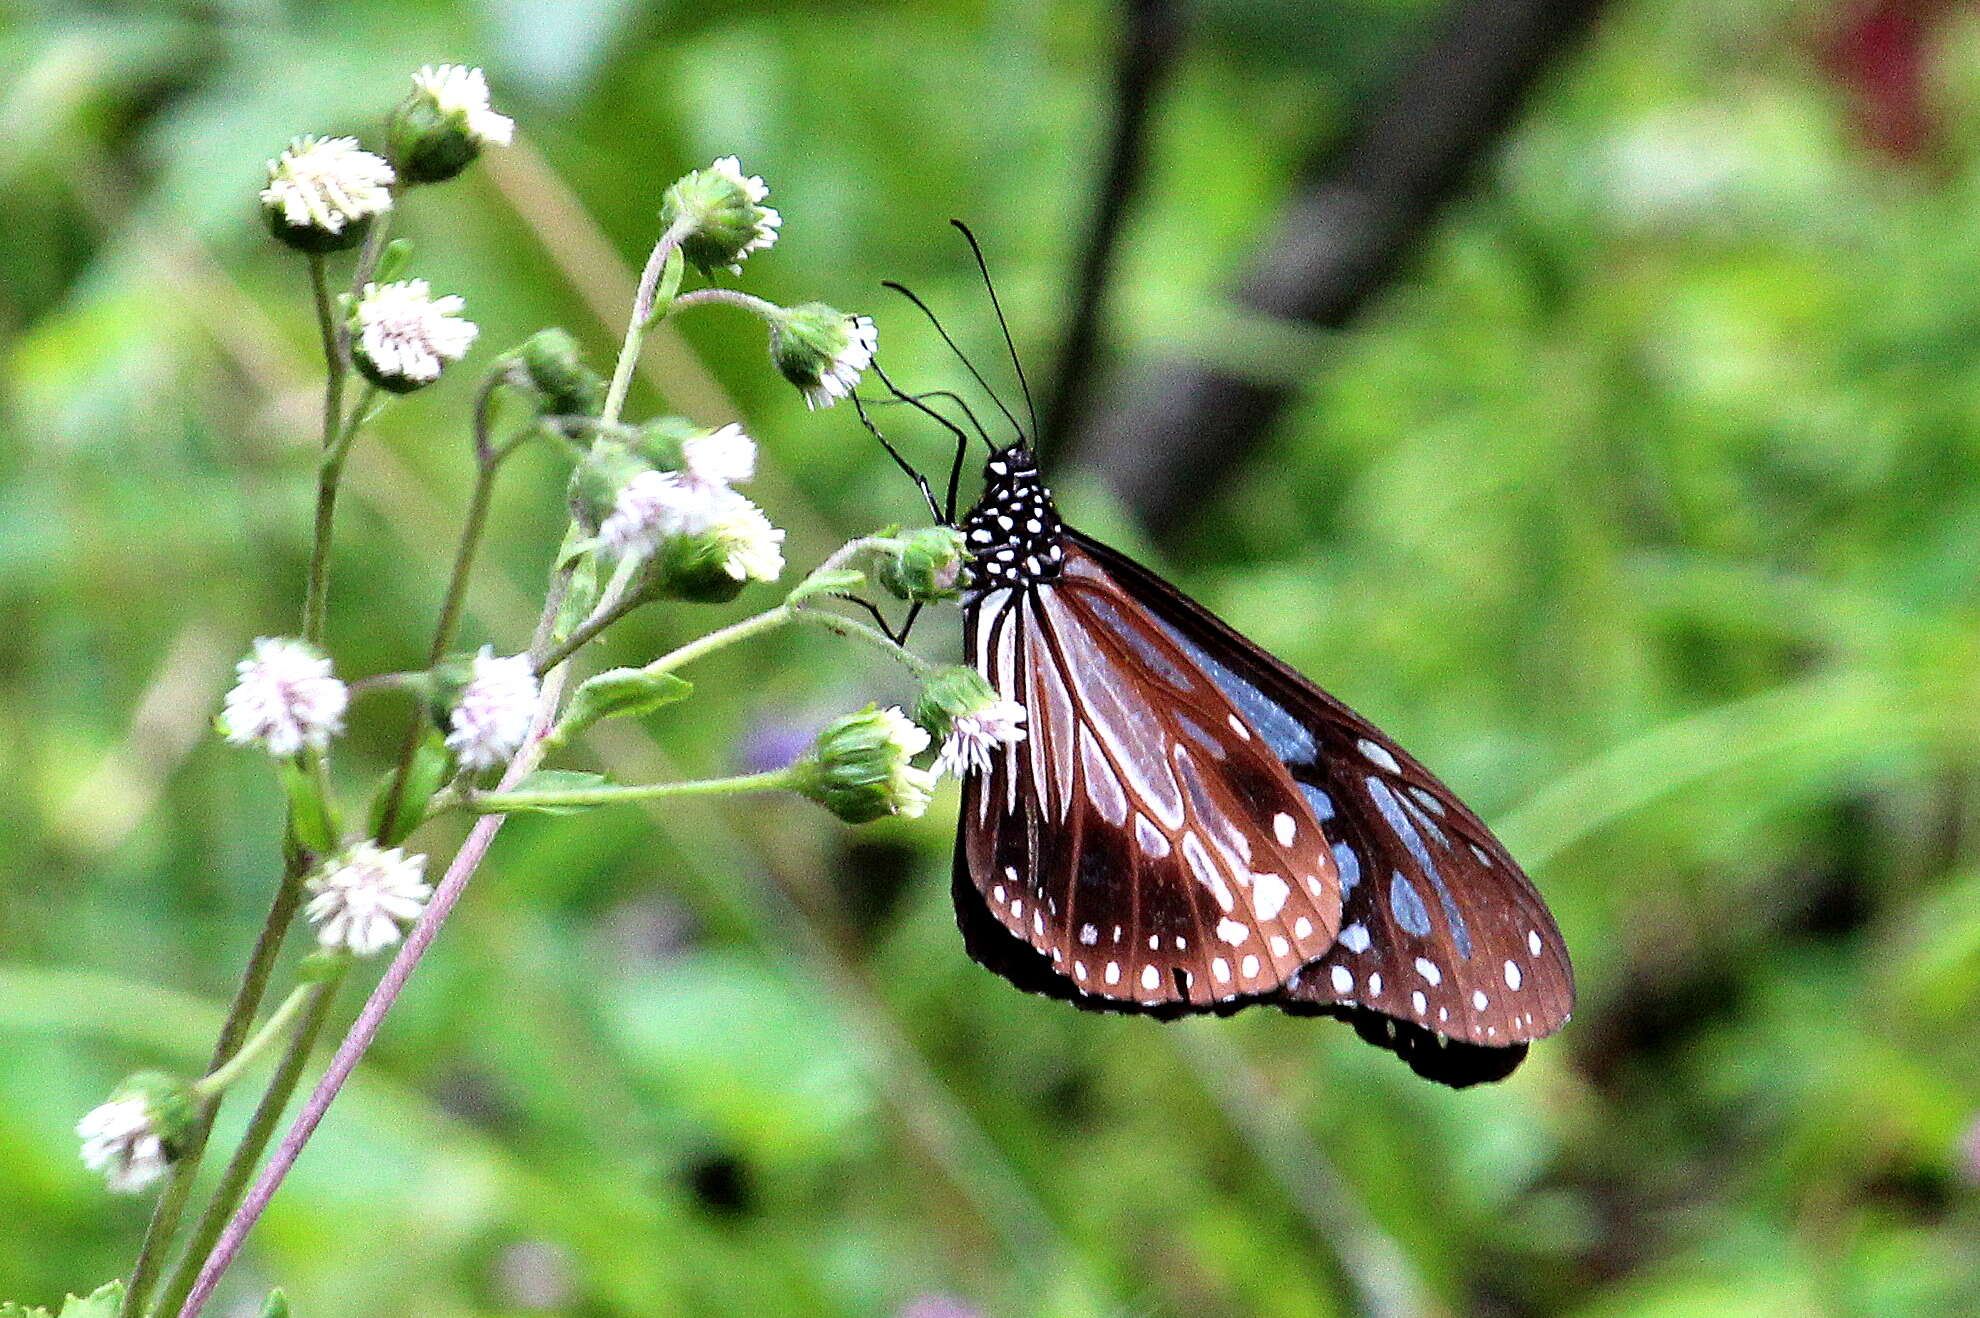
<point x="323" y="192"/>
<point x="721" y="216"/>
<point x="822" y="350"/>
<point x="285" y="699"/>
<point x="861" y="768"/>
<point x="402" y="336"/>
<point x="132" y="1139"/>
<point x="446" y="122"/>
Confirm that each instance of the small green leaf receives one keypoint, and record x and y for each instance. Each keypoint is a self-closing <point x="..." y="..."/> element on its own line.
<point x="103" y="1302"/>
<point x="312" y="818"/>
<point x="554" y="780"/>
<point x="396" y="257"/>
<point x="620" y="692"/>
<point x="431" y="765"/>
<point x="583" y="592"/>
<point x="839" y="581"/>
<point x="9" y="1309"/>
<point x="277" y="1306"/>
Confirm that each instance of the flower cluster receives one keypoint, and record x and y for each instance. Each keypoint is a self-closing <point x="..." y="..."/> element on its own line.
<point x="402" y="336"/>
<point x="131" y="1140"/>
<point x="821" y="350"/>
<point x="691" y="520"/>
<point x="323" y="192"/>
<point x="493" y="715"/>
<point x="285" y="699"/>
<point x="861" y="768"/>
<point x="361" y="900"/>
<point x="721" y="216"/>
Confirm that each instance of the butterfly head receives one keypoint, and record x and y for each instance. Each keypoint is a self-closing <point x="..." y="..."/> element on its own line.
<point x="1014" y="533"/>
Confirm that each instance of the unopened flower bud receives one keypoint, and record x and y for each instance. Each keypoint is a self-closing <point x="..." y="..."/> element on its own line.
<point x="724" y="215"/>
<point x="402" y="336"/>
<point x="821" y="350"/>
<point x="135" y="1137"/>
<point x="924" y="566"/>
<point x="959" y="706"/>
<point x="323" y="192"/>
<point x="445" y="123"/>
<point x="861" y="767"/>
<point x="557" y="371"/>
<point x="597" y="483"/>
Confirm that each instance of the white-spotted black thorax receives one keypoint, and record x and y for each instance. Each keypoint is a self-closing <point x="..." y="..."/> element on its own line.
<point x="1013" y="534"/>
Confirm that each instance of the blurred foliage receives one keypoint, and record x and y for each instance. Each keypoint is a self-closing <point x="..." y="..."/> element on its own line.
<point x="1645" y="509"/>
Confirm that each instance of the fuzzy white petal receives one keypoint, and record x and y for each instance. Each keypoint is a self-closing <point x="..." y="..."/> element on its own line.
<point x="408" y="334"/>
<point x="327" y="183"/>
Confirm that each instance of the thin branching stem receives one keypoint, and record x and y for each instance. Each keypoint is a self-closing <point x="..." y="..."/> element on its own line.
<point x="774" y="780"/>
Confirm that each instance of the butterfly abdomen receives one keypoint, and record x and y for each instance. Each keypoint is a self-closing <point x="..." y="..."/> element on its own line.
<point x="1014" y="534"/>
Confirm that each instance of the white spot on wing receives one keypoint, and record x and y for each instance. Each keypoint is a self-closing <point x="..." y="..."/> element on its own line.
<point x="1418" y="1001"/>
<point x="1088" y="935"/>
<point x="1250" y="967"/>
<point x="1533" y="941"/>
<point x="1232" y="932"/>
<point x="1512" y="976"/>
<point x="1428" y="969"/>
<point x="1478" y="999"/>
<point x="1268" y="895"/>
<point x="1222" y="970"/>
<point x="1113" y="972"/>
<point x="1354" y="938"/>
<point x="1378" y="755"/>
<point x="1343" y="979"/>
<point x="1284" y="828"/>
<point x="1150" y="977"/>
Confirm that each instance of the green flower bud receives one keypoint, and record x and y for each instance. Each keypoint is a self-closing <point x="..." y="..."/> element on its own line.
<point x="924" y="566"/>
<point x="556" y="369"/>
<point x="442" y="127"/>
<point x="724" y="216"/>
<point x="861" y="767"/>
<point x="821" y="350"/>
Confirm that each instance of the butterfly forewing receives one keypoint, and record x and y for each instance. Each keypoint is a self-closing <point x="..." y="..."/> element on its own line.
<point x="1440" y="929"/>
<point x="1143" y="838"/>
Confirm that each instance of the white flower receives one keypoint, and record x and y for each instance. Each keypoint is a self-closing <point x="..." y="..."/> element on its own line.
<point x="754" y="190"/>
<point x="975" y="736"/>
<point x="724" y="457"/>
<point x="909" y="789"/>
<point x="457" y="90"/>
<point x="495" y="710"/>
<point x="405" y="335"/>
<point x="327" y="183"/>
<point x="360" y="900"/>
<point x="655" y="506"/>
<point x="841" y="374"/>
<point x="750" y="544"/>
<point x="285" y="698"/>
<point x="121" y="1140"/>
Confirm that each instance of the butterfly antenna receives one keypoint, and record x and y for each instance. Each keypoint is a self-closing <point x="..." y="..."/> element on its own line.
<point x="983" y="267"/>
<point x="962" y="445"/>
<point x="975" y="374"/>
<point x="921" y="482"/>
<point x="962" y="438"/>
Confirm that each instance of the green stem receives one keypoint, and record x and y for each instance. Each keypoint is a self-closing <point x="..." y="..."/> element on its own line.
<point x="768" y="620"/>
<point x="853" y="630"/>
<point x="330" y="475"/>
<point x="730" y="297"/>
<point x="313" y="1006"/>
<point x="240" y="1015"/>
<point x="333" y="423"/>
<point x="221" y="1077"/>
<point x="642" y="315"/>
<point x="488" y="803"/>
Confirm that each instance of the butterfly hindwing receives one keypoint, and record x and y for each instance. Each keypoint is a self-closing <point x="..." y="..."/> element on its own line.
<point x="1142" y="838"/>
<point x="1441" y="932"/>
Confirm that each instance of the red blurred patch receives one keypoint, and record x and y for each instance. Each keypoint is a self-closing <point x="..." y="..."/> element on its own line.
<point x="1879" y="55"/>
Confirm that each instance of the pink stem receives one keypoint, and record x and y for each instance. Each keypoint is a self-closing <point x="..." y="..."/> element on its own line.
<point x="362" y="1032"/>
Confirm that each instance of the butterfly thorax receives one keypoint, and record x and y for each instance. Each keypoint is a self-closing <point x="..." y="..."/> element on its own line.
<point x="1014" y="533"/>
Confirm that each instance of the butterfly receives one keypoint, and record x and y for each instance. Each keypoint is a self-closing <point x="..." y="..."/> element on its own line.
<point x="1189" y="825"/>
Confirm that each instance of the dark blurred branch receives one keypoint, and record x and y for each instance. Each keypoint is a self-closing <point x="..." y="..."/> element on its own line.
<point x="1175" y="436"/>
<point x="1151" y="33"/>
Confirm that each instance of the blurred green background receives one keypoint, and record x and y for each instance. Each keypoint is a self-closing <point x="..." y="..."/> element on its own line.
<point x="1644" y="507"/>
